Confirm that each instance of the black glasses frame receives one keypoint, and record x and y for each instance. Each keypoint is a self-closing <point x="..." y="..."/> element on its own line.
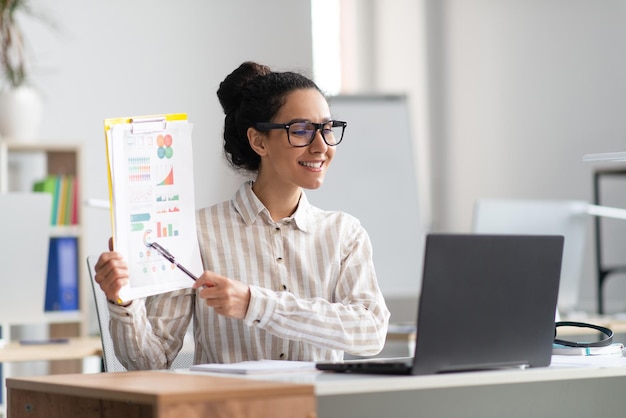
<point x="267" y="126"/>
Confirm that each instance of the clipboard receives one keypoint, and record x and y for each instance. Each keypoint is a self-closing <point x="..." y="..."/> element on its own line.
<point x="151" y="195"/>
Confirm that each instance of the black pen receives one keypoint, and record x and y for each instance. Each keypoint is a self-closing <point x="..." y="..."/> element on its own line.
<point x="171" y="259"/>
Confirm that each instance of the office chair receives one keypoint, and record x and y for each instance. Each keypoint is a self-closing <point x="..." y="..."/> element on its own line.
<point x="183" y="360"/>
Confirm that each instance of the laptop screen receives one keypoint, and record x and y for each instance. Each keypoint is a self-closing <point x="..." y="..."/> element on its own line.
<point x="487" y="301"/>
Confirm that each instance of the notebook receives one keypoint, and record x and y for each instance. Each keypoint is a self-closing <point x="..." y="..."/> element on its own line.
<point x="25" y="226"/>
<point x="487" y="301"/>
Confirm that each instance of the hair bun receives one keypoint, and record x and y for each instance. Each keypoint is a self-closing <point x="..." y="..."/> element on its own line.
<point x="230" y="90"/>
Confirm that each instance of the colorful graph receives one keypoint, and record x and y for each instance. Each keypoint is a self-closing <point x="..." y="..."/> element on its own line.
<point x="138" y="217"/>
<point x="168" y="210"/>
<point x="138" y="169"/>
<point x="167" y="198"/>
<point x="165" y="149"/>
<point x="137" y="226"/>
<point x="164" y="140"/>
<point x="147" y="237"/>
<point x="168" y="176"/>
<point x="166" y="230"/>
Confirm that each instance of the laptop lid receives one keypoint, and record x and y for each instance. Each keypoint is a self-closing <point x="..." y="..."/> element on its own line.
<point x="487" y="301"/>
<point x="25" y="232"/>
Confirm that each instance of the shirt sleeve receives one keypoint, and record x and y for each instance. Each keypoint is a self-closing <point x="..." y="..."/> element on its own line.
<point x="149" y="333"/>
<point x="355" y="321"/>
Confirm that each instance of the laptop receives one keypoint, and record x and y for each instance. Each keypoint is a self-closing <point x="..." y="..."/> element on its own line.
<point x="487" y="301"/>
<point x="25" y="226"/>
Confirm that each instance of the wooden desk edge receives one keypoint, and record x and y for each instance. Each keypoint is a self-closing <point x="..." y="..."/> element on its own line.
<point x="75" y="348"/>
<point x="162" y="386"/>
<point x="159" y="394"/>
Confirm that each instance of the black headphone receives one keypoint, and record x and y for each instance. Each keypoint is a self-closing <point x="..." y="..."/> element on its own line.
<point x="607" y="340"/>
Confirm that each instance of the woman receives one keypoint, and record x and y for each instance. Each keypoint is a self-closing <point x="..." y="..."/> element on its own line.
<point x="284" y="280"/>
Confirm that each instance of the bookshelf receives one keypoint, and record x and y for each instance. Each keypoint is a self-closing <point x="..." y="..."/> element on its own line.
<point x="21" y="165"/>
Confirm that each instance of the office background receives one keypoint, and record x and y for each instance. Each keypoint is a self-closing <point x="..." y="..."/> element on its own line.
<point x="506" y="96"/>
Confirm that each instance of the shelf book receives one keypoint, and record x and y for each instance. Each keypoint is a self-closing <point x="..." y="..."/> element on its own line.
<point x="62" y="279"/>
<point x="63" y="273"/>
<point x="64" y="191"/>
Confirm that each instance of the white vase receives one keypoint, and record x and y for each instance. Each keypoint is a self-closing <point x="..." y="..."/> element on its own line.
<point x="21" y="110"/>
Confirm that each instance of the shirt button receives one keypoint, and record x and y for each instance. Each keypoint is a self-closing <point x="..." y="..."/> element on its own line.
<point x="279" y="259"/>
<point x="282" y="355"/>
<point x="284" y="287"/>
<point x="277" y="229"/>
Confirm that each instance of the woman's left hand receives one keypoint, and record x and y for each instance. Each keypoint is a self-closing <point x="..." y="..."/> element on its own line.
<point x="228" y="297"/>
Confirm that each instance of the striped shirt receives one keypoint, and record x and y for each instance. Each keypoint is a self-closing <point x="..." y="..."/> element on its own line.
<point x="314" y="292"/>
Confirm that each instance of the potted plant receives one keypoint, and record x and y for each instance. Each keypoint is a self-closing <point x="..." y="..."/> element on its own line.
<point x="20" y="104"/>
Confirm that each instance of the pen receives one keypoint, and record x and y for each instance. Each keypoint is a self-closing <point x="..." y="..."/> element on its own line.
<point x="171" y="259"/>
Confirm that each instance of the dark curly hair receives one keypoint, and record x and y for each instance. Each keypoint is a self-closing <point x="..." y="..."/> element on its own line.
<point x="250" y="94"/>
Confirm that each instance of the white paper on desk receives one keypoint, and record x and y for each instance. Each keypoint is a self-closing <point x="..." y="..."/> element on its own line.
<point x="588" y="361"/>
<point x="256" y="367"/>
<point x="152" y="195"/>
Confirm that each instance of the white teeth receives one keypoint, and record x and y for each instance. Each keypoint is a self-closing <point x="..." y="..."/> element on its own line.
<point x="317" y="164"/>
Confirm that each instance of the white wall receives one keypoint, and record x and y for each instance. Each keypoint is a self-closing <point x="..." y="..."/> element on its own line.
<point x="121" y="58"/>
<point x="527" y="88"/>
<point x="517" y="92"/>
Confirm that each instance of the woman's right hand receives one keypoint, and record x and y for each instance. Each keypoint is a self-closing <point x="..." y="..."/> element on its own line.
<point x="111" y="273"/>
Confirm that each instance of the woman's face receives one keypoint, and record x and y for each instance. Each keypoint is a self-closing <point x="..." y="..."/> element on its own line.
<point x="298" y="166"/>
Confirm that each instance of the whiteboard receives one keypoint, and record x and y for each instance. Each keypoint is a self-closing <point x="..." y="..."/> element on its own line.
<point x="372" y="177"/>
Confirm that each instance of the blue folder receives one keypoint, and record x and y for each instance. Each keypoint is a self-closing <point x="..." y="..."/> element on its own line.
<point x="62" y="282"/>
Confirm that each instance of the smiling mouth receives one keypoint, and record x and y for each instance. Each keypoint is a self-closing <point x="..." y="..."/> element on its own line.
<point x="316" y="164"/>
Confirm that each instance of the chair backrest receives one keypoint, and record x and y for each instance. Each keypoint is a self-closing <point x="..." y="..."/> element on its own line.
<point x="536" y="216"/>
<point x="183" y="360"/>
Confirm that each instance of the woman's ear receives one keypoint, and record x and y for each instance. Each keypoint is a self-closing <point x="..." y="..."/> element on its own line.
<point x="256" y="139"/>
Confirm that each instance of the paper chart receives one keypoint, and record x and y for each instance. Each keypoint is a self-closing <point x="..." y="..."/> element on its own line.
<point x="152" y="199"/>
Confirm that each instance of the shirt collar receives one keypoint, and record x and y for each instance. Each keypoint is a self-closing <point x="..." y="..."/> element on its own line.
<point x="250" y="207"/>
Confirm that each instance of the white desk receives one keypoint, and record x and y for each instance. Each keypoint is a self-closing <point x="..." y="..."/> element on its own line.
<point x="512" y="394"/>
<point x="540" y="392"/>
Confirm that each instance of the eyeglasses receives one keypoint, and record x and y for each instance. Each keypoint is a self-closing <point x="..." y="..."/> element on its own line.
<point x="301" y="134"/>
